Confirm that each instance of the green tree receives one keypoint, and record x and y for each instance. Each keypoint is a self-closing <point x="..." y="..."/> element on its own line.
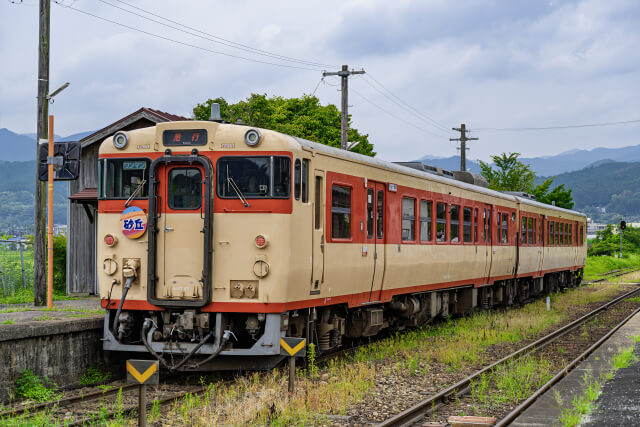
<point x="303" y="117"/>
<point x="510" y="173"/>
<point x="513" y="175"/>
<point x="560" y="195"/>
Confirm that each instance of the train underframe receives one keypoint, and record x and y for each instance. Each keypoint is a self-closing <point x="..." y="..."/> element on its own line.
<point x="189" y="340"/>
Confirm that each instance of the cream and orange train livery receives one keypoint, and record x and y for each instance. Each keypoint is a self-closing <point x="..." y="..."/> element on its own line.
<point x="217" y="239"/>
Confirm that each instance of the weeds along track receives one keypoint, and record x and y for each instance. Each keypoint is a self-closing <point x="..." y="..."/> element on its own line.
<point x="488" y="392"/>
<point x="100" y="405"/>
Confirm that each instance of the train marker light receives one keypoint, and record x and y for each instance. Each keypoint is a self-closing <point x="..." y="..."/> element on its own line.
<point x="110" y="240"/>
<point x="261" y="241"/>
<point x="252" y="137"/>
<point x="120" y="140"/>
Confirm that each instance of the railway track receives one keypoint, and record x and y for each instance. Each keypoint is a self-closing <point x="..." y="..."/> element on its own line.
<point x="436" y="402"/>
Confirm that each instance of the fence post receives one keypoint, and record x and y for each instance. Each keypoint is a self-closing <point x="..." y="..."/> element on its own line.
<point x="24" y="281"/>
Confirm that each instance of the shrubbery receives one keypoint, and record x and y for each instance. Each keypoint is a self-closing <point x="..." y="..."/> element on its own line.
<point x="608" y="243"/>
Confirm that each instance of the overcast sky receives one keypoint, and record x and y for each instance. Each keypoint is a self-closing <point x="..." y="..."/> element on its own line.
<point x="489" y="64"/>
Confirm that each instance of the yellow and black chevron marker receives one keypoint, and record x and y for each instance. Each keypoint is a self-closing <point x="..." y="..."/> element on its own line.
<point x="293" y="346"/>
<point x="142" y="372"/>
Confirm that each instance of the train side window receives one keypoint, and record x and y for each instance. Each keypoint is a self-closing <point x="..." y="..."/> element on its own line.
<point x="318" y="208"/>
<point x="455" y="223"/>
<point x="475" y="225"/>
<point x="562" y="233"/>
<point x="571" y="234"/>
<point x="408" y="219"/>
<point x="305" y="180"/>
<point x="369" y="213"/>
<point x="531" y="235"/>
<point x="340" y="212"/>
<point x="505" y="228"/>
<point x="550" y="239"/>
<point x="541" y="233"/>
<point x="425" y="220"/>
<point x="380" y="214"/>
<point x="297" y="179"/>
<point x="557" y="234"/>
<point x="523" y="232"/>
<point x="489" y="227"/>
<point x="581" y="235"/>
<point x="466" y="225"/>
<point x="441" y="222"/>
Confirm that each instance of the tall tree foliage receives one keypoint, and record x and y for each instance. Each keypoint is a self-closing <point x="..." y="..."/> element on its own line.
<point x="303" y="117"/>
<point x="511" y="174"/>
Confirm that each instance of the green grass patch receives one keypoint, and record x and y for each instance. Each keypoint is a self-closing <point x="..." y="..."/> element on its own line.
<point x="596" y="266"/>
<point x="32" y="387"/>
<point x="95" y="375"/>
<point x="8" y="322"/>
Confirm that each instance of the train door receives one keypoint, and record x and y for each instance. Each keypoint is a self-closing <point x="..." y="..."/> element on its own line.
<point x="375" y="236"/>
<point x="486" y="239"/>
<point x="181" y="238"/>
<point x="318" y="239"/>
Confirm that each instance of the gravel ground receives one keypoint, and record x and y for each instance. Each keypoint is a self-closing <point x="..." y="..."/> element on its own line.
<point x="394" y="392"/>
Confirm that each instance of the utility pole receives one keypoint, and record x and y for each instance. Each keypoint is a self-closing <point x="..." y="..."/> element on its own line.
<point x="39" y="278"/>
<point x="344" y="75"/>
<point x="463" y="145"/>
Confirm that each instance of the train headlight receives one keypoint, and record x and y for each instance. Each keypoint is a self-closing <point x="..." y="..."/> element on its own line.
<point x="120" y="140"/>
<point x="252" y="137"/>
<point x="110" y="240"/>
<point x="261" y="241"/>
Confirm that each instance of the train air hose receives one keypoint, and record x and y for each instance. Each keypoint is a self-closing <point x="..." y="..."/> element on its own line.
<point x="223" y="342"/>
<point x="127" y="286"/>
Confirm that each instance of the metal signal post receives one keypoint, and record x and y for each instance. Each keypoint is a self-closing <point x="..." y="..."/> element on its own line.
<point x="463" y="145"/>
<point x="344" y="125"/>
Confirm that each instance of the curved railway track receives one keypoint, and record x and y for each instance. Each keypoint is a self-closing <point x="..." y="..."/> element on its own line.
<point x="432" y="404"/>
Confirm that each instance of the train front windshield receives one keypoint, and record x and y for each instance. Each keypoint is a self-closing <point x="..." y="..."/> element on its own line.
<point x="120" y="178"/>
<point x="264" y="177"/>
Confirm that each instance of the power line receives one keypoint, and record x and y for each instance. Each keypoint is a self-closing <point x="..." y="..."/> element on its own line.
<point x="588" y="125"/>
<point x="407" y="107"/>
<point x="395" y="116"/>
<point x="208" y="36"/>
<point x="185" y="43"/>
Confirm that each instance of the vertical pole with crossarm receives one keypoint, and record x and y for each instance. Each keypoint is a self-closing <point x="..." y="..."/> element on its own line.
<point x="463" y="145"/>
<point x="344" y="124"/>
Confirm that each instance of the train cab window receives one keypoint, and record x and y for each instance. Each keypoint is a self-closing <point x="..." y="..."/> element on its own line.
<point x="441" y="222"/>
<point x="425" y="220"/>
<point x="340" y="212"/>
<point x="455" y="223"/>
<point x="122" y="178"/>
<point x="184" y="188"/>
<point x="523" y="232"/>
<point x="475" y="225"/>
<point x="265" y="177"/>
<point x="370" y="218"/>
<point x="466" y="225"/>
<point x="380" y="214"/>
<point x="305" y="181"/>
<point x="504" y="228"/>
<point x="297" y="176"/>
<point x="408" y="219"/>
<point x="531" y="234"/>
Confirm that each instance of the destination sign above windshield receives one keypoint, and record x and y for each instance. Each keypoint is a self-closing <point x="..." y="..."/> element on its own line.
<point x="179" y="137"/>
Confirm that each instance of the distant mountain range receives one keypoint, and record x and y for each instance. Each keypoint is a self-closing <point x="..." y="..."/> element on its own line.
<point x="568" y="161"/>
<point x="22" y="147"/>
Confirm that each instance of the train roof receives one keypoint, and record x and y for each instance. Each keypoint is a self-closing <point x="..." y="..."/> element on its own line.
<point x="337" y="152"/>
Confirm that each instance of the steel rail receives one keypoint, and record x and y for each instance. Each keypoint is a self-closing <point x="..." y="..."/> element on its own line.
<point x="562" y="373"/>
<point x="66" y="401"/>
<point x="433" y="403"/>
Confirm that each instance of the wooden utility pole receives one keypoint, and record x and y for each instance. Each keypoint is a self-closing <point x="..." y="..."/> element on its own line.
<point x="463" y="145"/>
<point x="39" y="278"/>
<point x="344" y="125"/>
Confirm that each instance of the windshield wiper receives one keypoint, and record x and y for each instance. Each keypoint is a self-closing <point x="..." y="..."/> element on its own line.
<point x="237" y="190"/>
<point x="136" y="191"/>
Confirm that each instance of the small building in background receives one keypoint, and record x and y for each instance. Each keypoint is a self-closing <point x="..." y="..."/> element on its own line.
<point x="83" y="201"/>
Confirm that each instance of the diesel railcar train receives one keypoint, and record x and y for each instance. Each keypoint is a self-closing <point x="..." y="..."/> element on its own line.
<point x="218" y="239"/>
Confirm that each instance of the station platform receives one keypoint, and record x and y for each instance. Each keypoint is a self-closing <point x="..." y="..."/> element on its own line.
<point x="61" y="343"/>
<point x="619" y="401"/>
